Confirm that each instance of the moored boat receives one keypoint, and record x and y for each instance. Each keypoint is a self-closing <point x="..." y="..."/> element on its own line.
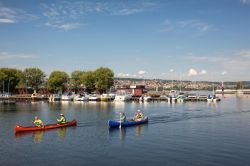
<point x="212" y="98"/>
<point x="67" y="97"/>
<point x="20" y="128"/>
<point x="36" y="97"/>
<point x="106" y="97"/>
<point x="113" y="123"/>
<point x="123" y="97"/>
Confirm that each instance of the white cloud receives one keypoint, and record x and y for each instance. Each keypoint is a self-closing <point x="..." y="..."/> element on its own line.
<point x="7" y="14"/>
<point x="142" y="72"/>
<point x="65" y="27"/>
<point x="192" y="72"/>
<point x="130" y="8"/>
<point x="198" y="27"/>
<point x="139" y="74"/>
<point x="123" y="75"/>
<point x="238" y="61"/>
<point x="6" y="20"/>
<point x="167" y="26"/>
<point x="245" y="1"/>
<point x="13" y="15"/>
<point x="5" y="56"/>
<point x="126" y="75"/>
<point x="73" y="12"/>
<point x="127" y="11"/>
<point x="211" y="58"/>
<point x="202" y="72"/>
<point x="171" y="70"/>
<point x="224" y="73"/>
<point x="65" y="15"/>
<point x="244" y="53"/>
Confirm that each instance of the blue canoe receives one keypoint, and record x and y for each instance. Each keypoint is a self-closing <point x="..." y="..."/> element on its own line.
<point x="113" y="123"/>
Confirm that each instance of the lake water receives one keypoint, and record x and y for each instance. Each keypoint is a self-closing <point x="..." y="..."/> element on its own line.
<point x="191" y="133"/>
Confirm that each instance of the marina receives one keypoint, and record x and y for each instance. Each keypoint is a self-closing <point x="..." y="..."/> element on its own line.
<point x="125" y="83"/>
<point x="118" y="98"/>
<point x="211" y="131"/>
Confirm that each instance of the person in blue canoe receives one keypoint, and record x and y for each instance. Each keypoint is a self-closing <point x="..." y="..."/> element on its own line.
<point x="62" y="119"/>
<point x="138" y="116"/>
<point x="122" y="117"/>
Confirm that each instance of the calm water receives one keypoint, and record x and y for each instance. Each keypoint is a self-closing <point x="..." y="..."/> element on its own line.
<point x="192" y="133"/>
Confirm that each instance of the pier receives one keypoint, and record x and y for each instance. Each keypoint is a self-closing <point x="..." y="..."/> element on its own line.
<point x="232" y="91"/>
<point x="19" y="98"/>
<point x="28" y="98"/>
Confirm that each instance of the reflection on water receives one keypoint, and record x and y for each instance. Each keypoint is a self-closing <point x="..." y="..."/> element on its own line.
<point x="190" y="133"/>
<point x="121" y="132"/>
<point x="140" y="129"/>
<point x="37" y="136"/>
<point x="61" y="132"/>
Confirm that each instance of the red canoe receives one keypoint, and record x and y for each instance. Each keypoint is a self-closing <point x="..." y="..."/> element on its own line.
<point x="19" y="128"/>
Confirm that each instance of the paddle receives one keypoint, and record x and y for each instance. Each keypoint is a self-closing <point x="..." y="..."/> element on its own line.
<point x="120" y="126"/>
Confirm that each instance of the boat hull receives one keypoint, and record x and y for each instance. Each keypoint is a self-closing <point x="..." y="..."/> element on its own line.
<point x="113" y="124"/>
<point x="19" y="128"/>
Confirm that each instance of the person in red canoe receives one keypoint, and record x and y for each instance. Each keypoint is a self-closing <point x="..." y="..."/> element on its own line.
<point x="61" y="119"/>
<point x="38" y="122"/>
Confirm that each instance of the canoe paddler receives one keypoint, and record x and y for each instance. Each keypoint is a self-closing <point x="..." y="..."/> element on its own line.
<point x="122" y="117"/>
<point x="38" y="122"/>
<point x="61" y="119"/>
<point x="138" y="116"/>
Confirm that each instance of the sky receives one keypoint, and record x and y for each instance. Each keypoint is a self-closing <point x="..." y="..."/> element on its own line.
<point x="153" y="39"/>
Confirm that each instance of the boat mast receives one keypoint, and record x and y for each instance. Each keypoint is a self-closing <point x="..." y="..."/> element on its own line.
<point x="180" y="82"/>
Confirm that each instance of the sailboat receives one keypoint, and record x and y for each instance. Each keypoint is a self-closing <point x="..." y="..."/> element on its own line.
<point x="212" y="98"/>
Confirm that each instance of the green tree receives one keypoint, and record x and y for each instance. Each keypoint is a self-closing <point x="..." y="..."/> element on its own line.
<point x="87" y="79"/>
<point x="9" y="79"/>
<point x="104" y="79"/>
<point x="34" y="77"/>
<point x="57" y="81"/>
<point x="75" y="80"/>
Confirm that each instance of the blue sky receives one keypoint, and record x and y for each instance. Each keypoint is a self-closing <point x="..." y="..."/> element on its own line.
<point x="168" y="39"/>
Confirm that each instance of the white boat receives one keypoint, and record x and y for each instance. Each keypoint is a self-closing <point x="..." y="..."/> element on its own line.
<point x="67" y="97"/>
<point x="172" y="96"/>
<point x="123" y="97"/>
<point x="94" y="97"/>
<point x="181" y="98"/>
<point x="212" y="98"/>
<point x="145" y="98"/>
<point x="81" y="97"/>
<point x="36" y="97"/>
<point x="54" y="97"/>
<point x="164" y="97"/>
<point x="106" y="97"/>
<point x="112" y="96"/>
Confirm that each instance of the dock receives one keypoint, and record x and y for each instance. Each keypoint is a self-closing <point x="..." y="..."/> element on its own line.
<point x="232" y="91"/>
<point x="188" y="98"/>
<point x="19" y="98"/>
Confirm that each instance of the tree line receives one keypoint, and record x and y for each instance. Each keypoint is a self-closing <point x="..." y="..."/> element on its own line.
<point x="99" y="80"/>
